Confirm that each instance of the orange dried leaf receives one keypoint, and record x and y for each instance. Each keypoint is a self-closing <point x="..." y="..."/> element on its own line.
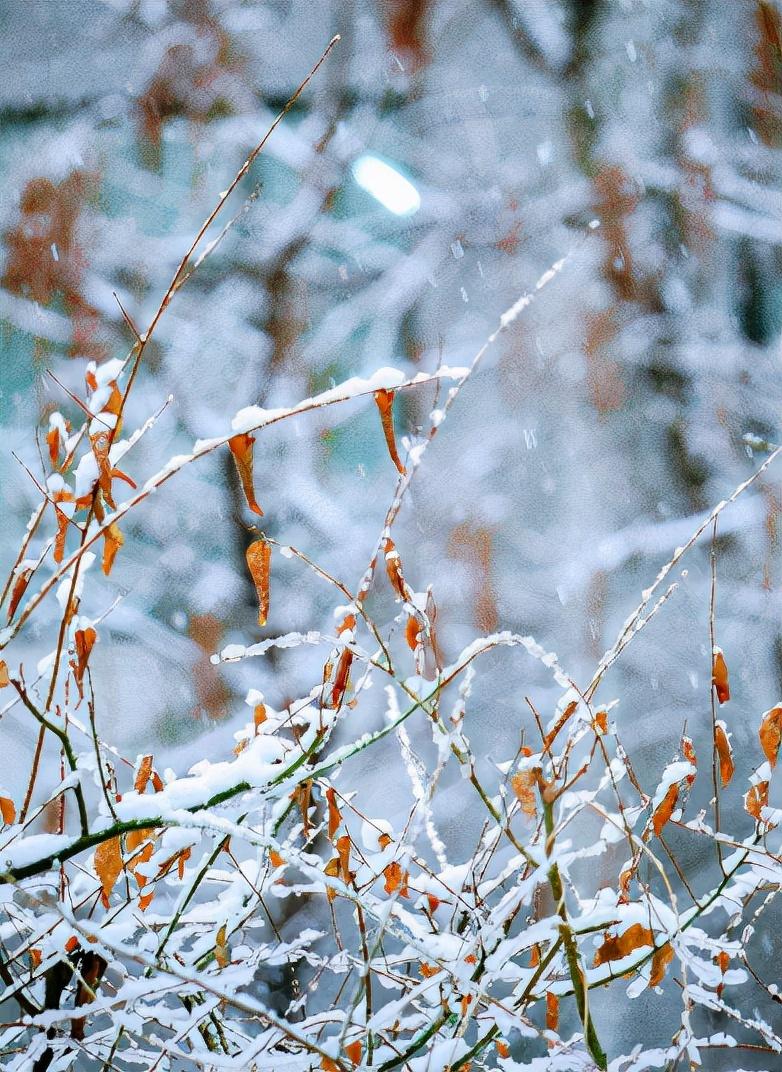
<point x="465" y="1003"/>
<point x="275" y="859"/>
<point x="259" y="715"/>
<point x="35" y="958"/>
<point x="385" y="405"/>
<point x="328" y="1065"/>
<point x="335" y="818"/>
<point x="259" y="556"/>
<point x="101" y="444"/>
<point x="428" y="970"/>
<point x="112" y="541"/>
<point x="756" y="798"/>
<point x="719" y="676"/>
<point x="413" y="631"/>
<point x="394" y="568"/>
<point x="523" y="785"/>
<point x="770" y="733"/>
<point x="534" y="956"/>
<point x="145" y="900"/>
<point x="343" y="850"/>
<point x="503" y="1049"/>
<point x="333" y="869"/>
<point x="433" y="902"/>
<point x="341" y="679"/>
<point x="7" y="810"/>
<point x="353" y="1052"/>
<point x="53" y="443"/>
<point x="108" y="865"/>
<point x="724" y="753"/>
<point x="18" y="590"/>
<point x="601" y="721"/>
<point x="396" y="878"/>
<point x="71" y="944"/>
<point x="552" y="1011"/>
<point x="84" y="640"/>
<point x="616" y="947"/>
<point x="665" y="809"/>
<point x="241" y="447"/>
<point x="62" y="531"/>
<point x="144" y="774"/>
<point x="4" y="678"/>
<point x="660" y="961"/>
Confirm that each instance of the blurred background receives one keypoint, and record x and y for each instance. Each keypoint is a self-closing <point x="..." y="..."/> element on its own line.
<point x="445" y="156"/>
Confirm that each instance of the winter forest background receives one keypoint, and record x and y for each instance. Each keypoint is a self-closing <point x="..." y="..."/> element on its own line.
<point x="641" y="140"/>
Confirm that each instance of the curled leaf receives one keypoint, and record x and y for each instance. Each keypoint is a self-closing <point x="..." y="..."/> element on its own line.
<point x="144" y="774"/>
<point x="660" y="961"/>
<point x="618" y="946"/>
<point x="84" y="640"/>
<point x="112" y="541"/>
<point x="332" y="869"/>
<point x="108" y="865"/>
<point x="396" y="879"/>
<point x="259" y="555"/>
<point x="341" y="679"/>
<point x="335" y="818"/>
<point x="770" y="733"/>
<point x="394" y="568"/>
<point x="755" y="799"/>
<point x="552" y="1011"/>
<point x="719" y="676"/>
<point x="241" y="447"/>
<point x="724" y="753"/>
<point x="18" y="590"/>
<point x="385" y="405"/>
<point x="665" y="808"/>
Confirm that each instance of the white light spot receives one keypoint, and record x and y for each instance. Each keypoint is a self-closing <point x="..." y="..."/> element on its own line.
<point x="386" y="185"/>
<point x="631" y="53"/>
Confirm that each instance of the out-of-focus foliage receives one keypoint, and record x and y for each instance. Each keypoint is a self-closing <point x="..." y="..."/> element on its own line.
<point x="640" y="387"/>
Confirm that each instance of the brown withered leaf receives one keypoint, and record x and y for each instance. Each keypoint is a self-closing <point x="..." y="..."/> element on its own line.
<point x="108" y="866"/>
<point x="341" y="679"/>
<point x="719" y="676"/>
<point x="523" y="785"/>
<point x="343" y="851"/>
<point x="7" y="810"/>
<point x="18" y="590"/>
<point x="552" y="1011"/>
<point x="660" y="961"/>
<point x="394" y="568"/>
<point x="755" y="799"/>
<point x="4" y="678"/>
<point x="241" y="447"/>
<point x="62" y="532"/>
<point x="112" y="541"/>
<point x="84" y="640"/>
<point x="335" y="817"/>
<point x="385" y="405"/>
<point x="53" y="443"/>
<point x="259" y="556"/>
<point x="770" y="733"/>
<point x="144" y="773"/>
<point x="665" y="808"/>
<point x="396" y="878"/>
<point x="333" y="869"/>
<point x="101" y="444"/>
<point x="222" y="956"/>
<point x="413" y="631"/>
<point x="617" y="946"/>
<point x="353" y="1052"/>
<point x="724" y="753"/>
